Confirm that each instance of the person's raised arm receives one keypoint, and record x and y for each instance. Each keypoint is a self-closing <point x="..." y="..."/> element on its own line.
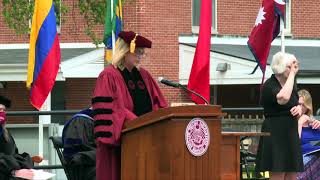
<point x="285" y="93"/>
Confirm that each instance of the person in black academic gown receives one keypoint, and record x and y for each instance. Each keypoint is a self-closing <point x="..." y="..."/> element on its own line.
<point x="79" y="148"/>
<point x="13" y="165"/>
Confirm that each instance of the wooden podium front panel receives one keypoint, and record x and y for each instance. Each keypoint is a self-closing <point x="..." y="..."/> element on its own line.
<point x="158" y="152"/>
<point x="230" y="157"/>
<point x="230" y="153"/>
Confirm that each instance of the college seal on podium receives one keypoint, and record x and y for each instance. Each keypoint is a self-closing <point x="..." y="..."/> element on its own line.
<point x="197" y="137"/>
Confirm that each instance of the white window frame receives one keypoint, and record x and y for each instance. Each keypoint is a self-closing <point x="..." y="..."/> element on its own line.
<point x="195" y="29"/>
<point x="287" y="28"/>
<point x="287" y="31"/>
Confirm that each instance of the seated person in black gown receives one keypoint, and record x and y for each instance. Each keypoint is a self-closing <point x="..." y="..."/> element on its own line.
<point x="79" y="148"/>
<point x="12" y="164"/>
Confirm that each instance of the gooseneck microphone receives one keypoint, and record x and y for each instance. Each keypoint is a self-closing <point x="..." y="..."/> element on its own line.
<point x="177" y="85"/>
<point x="168" y="82"/>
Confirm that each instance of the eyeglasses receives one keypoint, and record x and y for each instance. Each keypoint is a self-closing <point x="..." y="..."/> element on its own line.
<point x="139" y="53"/>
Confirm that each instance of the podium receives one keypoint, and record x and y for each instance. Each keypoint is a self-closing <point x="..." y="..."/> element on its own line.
<point x="154" y="148"/>
<point x="230" y="153"/>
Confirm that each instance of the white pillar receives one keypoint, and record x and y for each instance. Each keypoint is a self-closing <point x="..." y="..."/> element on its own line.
<point x="282" y="36"/>
<point x="44" y="119"/>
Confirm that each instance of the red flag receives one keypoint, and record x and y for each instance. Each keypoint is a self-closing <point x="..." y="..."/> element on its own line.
<point x="266" y="29"/>
<point x="199" y="80"/>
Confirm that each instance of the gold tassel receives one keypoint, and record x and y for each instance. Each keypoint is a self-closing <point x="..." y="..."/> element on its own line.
<point x="133" y="44"/>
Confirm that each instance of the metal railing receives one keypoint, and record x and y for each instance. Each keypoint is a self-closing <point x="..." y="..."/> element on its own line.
<point x="243" y="109"/>
<point x="30" y="113"/>
<point x="65" y="112"/>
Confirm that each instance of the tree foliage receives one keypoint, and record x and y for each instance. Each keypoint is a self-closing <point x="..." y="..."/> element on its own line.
<point x="18" y="14"/>
<point x="94" y="14"/>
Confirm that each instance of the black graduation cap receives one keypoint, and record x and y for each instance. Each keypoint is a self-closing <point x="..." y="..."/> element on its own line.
<point x="5" y="101"/>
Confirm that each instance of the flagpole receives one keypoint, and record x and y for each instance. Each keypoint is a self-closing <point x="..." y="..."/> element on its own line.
<point x="44" y="119"/>
<point x="113" y="35"/>
<point x="282" y="36"/>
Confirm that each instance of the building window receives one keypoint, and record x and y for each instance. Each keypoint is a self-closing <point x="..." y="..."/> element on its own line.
<point x="196" y="16"/>
<point x="287" y="19"/>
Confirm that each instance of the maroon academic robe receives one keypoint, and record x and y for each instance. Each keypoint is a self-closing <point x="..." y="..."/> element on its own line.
<point x="112" y="106"/>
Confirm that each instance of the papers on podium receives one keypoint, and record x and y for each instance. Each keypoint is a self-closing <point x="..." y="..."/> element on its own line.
<point x="42" y="175"/>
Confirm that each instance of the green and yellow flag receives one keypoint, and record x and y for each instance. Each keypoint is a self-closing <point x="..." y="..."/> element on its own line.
<point x="113" y="24"/>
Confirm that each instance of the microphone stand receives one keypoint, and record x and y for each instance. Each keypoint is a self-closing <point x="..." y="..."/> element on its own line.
<point x="193" y="92"/>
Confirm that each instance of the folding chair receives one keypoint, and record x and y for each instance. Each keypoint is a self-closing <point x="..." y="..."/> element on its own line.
<point x="72" y="172"/>
<point x="58" y="146"/>
<point x="247" y="161"/>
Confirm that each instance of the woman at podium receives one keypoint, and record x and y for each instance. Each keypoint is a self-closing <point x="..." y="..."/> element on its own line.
<point x="280" y="153"/>
<point x="123" y="91"/>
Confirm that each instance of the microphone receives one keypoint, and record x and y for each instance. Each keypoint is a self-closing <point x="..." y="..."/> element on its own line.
<point x="168" y="82"/>
<point x="177" y="85"/>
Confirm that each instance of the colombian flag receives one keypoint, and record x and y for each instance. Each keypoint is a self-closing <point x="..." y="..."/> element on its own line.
<point x="44" y="52"/>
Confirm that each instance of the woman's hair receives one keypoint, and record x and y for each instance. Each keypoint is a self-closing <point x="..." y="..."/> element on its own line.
<point x="307" y="100"/>
<point x="5" y="133"/>
<point x="280" y="61"/>
<point x="121" y="49"/>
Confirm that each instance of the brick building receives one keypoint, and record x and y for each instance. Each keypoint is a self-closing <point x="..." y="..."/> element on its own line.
<point x="173" y="28"/>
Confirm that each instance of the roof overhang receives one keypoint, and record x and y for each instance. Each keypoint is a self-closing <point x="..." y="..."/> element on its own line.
<point x="238" y="69"/>
<point x="18" y="72"/>
<point x="88" y="65"/>
<point x="78" y="61"/>
<point x="235" y="53"/>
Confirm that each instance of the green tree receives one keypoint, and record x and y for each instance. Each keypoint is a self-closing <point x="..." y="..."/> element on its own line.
<point x="18" y="14"/>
